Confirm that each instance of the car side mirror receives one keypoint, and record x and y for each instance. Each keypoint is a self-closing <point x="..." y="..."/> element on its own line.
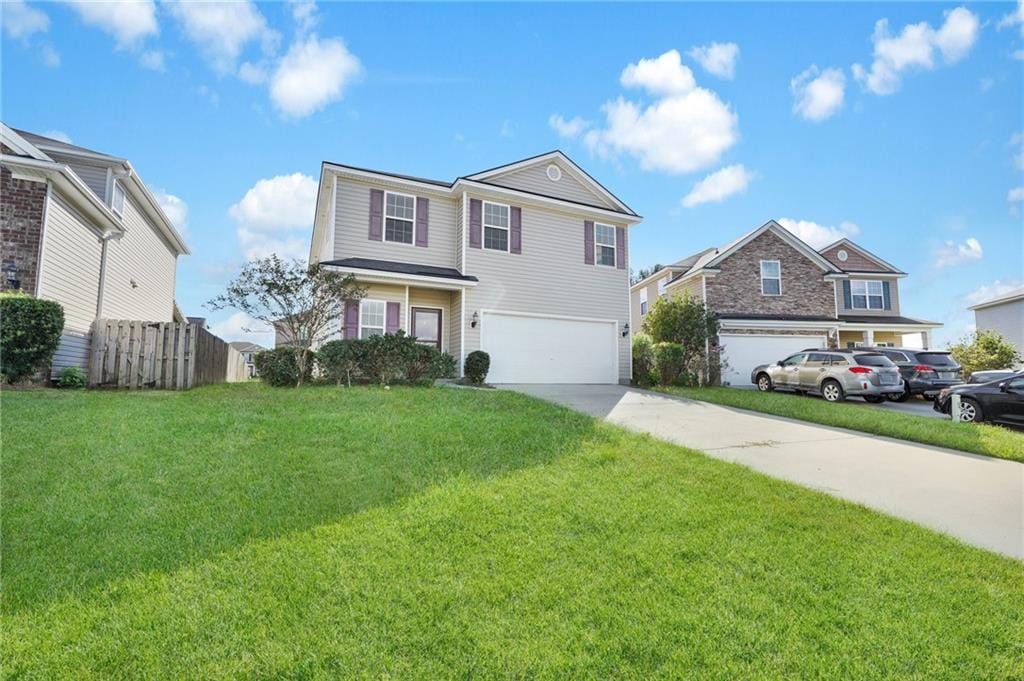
<point x="779" y="363"/>
<point x="1004" y="386"/>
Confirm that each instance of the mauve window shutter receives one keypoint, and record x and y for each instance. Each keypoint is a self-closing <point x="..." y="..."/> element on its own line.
<point x="620" y="247"/>
<point x="376" y="214"/>
<point x="392" y="318"/>
<point x="847" y="297"/>
<point x="588" y="242"/>
<point x="351" y="320"/>
<point x="476" y="210"/>
<point x="886" y="300"/>
<point x="422" y="220"/>
<point x="515" y="238"/>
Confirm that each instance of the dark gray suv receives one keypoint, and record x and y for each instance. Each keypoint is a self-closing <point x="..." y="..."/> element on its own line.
<point x="925" y="372"/>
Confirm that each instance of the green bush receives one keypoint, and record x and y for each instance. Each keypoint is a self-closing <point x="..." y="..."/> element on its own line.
<point x="984" y="350"/>
<point x="445" y="366"/>
<point x="71" y="377"/>
<point x="341" y="360"/>
<point x="643" y="360"/>
<point x="669" y="361"/>
<point x="478" y="363"/>
<point x="30" y="330"/>
<point x="278" y="367"/>
<point x="388" y="357"/>
<point x="421" y="363"/>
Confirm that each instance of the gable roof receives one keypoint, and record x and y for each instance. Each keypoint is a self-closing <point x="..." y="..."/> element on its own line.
<point x="50" y="144"/>
<point x="1012" y="296"/>
<point x="888" y="267"/>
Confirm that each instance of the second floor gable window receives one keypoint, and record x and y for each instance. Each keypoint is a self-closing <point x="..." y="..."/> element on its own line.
<point x="643" y="302"/>
<point x="495" y="226"/>
<point x="399" y="217"/>
<point x="662" y="285"/>
<point x="771" y="278"/>
<point x="117" y="198"/>
<point x="604" y="245"/>
<point x="867" y="295"/>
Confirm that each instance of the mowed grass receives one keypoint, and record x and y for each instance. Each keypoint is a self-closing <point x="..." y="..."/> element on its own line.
<point x="241" y="532"/>
<point x="977" y="438"/>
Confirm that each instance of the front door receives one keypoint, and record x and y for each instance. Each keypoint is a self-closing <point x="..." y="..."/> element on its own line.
<point x="426" y="325"/>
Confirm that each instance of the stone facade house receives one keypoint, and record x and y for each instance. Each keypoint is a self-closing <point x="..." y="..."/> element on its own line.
<point x="775" y="295"/>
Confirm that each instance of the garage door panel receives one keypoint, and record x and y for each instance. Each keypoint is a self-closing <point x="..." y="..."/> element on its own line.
<point x="743" y="352"/>
<point x="526" y="349"/>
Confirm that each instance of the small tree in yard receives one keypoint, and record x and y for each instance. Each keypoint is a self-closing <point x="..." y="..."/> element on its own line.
<point x="688" y="322"/>
<point x="304" y="303"/>
<point x="984" y="350"/>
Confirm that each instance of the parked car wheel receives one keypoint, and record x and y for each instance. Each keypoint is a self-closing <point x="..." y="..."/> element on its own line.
<point x="903" y="396"/>
<point x="764" y="384"/>
<point x="831" y="391"/>
<point x="970" y="411"/>
<point x="873" y="399"/>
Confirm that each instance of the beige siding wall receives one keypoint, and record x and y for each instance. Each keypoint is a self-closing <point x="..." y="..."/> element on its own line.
<point x="352" y="219"/>
<point x="535" y="179"/>
<point x="894" y="296"/>
<point x="548" y="277"/>
<point x="143" y="256"/>
<point x="94" y="176"/>
<point x="854" y="259"/>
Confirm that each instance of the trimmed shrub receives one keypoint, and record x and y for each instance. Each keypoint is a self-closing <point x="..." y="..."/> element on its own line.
<point x="643" y="360"/>
<point x="445" y="366"/>
<point x="669" y="362"/>
<point x="30" y="331"/>
<point x="478" y="363"/>
<point x="278" y="367"/>
<point x="71" y="377"/>
<point x="341" y="360"/>
<point x="984" y="350"/>
<point x="421" y="363"/>
<point x="388" y="356"/>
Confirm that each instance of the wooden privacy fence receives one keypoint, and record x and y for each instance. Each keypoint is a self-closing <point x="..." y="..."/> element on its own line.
<point x="169" y="355"/>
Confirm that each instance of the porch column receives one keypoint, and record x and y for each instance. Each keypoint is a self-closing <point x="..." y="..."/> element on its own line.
<point x="926" y="339"/>
<point x="869" y="337"/>
<point x="408" y="314"/>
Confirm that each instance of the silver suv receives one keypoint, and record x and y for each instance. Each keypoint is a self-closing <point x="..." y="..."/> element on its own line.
<point x="834" y="374"/>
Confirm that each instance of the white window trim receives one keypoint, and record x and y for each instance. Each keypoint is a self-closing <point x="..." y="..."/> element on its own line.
<point x="383" y="327"/>
<point x="662" y="285"/>
<point x="643" y="302"/>
<point x="484" y="226"/>
<point x="867" y="296"/>
<point x="598" y="245"/>
<point x="762" y="277"/>
<point x="124" y="197"/>
<point x="384" y="224"/>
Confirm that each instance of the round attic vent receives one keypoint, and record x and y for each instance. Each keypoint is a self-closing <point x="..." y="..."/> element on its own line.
<point x="842" y="255"/>
<point x="554" y="173"/>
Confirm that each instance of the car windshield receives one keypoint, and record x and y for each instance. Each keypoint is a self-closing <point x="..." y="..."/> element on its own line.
<point x="874" y="361"/>
<point x="936" y="359"/>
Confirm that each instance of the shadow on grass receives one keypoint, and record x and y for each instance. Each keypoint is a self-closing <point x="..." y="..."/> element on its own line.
<point x="99" y="486"/>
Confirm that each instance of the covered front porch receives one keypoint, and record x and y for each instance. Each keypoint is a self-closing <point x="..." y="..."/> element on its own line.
<point x="913" y="334"/>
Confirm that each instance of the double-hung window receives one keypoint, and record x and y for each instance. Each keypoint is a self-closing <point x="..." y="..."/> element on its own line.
<point x="496" y="226"/>
<point x="604" y="245"/>
<point x="771" y="278"/>
<point x="866" y="295"/>
<point x="399" y="217"/>
<point x="371" y="317"/>
<point x="643" y="301"/>
<point x="117" y="198"/>
<point x="662" y="285"/>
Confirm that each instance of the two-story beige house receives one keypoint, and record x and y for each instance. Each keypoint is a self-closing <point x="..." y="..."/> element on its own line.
<point x="528" y="261"/>
<point x="775" y="295"/>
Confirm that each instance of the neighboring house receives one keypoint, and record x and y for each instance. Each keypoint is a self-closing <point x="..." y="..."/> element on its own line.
<point x="775" y="295"/>
<point x="248" y="351"/>
<point x="1003" y="314"/>
<point x="80" y="227"/>
<point x="527" y="261"/>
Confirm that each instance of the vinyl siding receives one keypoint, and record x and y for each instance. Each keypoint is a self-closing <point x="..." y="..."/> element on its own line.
<point x="894" y="296"/>
<point x="549" y="277"/>
<point x="352" y="215"/>
<point x="95" y="177"/>
<point x="636" y="323"/>
<point x="534" y="179"/>
<point x="142" y="255"/>
<point x="1006" y="318"/>
<point x="854" y="260"/>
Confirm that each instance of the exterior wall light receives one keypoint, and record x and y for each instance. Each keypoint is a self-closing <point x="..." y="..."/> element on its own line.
<point x="625" y="329"/>
<point x="475" y="319"/>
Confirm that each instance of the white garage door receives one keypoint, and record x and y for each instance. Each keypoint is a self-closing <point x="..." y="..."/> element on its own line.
<point x="743" y="352"/>
<point x="529" y="349"/>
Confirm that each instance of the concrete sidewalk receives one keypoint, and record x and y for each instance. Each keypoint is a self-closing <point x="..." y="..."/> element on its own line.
<point x="977" y="499"/>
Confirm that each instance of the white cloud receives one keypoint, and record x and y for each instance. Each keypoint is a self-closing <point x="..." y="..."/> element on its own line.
<point x="251" y="73"/>
<point x="129" y="22"/>
<point x="953" y="253"/>
<point x="259" y="244"/>
<point x="281" y="202"/>
<point x="987" y="292"/>
<point x="719" y="186"/>
<point x="1018" y="55"/>
<point x="718" y="59"/>
<point x="51" y="57"/>
<point x="817" y="235"/>
<point x="664" y="75"/>
<point x="58" y="135"/>
<point x="573" y="127"/>
<point x="818" y="95"/>
<point x="21" y="21"/>
<point x="241" y="327"/>
<point x="1015" y="197"/>
<point x="152" y="60"/>
<point x="222" y="30"/>
<point x="174" y="208"/>
<point x="311" y="75"/>
<point x="915" y="47"/>
<point x="1014" y="18"/>
<point x="304" y="14"/>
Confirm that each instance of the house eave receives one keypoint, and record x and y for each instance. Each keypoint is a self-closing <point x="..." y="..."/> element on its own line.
<point x="383" y="277"/>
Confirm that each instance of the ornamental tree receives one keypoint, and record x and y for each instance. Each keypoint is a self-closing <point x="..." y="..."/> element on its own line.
<point x="688" y="322"/>
<point x="984" y="350"/>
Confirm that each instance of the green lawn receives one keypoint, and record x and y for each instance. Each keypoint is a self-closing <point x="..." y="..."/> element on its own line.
<point x="240" y="531"/>
<point x="986" y="439"/>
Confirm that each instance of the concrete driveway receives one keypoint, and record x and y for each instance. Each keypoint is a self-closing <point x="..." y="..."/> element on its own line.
<point x="977" y="499"/>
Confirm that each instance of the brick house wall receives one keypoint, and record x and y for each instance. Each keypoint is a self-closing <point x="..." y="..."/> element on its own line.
<point x="737" y="287"/>
<point x="22" y="212"/>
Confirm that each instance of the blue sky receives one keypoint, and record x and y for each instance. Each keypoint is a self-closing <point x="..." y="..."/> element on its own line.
<point x="897" y="124"/>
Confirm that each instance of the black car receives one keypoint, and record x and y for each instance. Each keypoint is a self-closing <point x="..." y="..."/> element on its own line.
<point x="925" y="372"/>
<point x="1000" y="401"/>
<point x="990" y="375"/>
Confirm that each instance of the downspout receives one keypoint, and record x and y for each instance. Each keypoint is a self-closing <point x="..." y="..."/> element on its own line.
<point x="104" y="241"/>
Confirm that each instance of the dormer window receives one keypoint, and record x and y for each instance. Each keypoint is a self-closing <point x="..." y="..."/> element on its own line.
<point x="771" y="278"/>
<point x="117" y="198"/>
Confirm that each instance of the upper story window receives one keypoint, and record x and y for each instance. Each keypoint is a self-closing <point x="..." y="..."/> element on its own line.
<point x="771" y="278"/>
<point x="371" y="317"/>
<point x="662" y="285"/>
<point x="643" y="301"/>
<point x="399" y="217"/>
<point x="496" y="226"/>
<point x="117" y="198"/>
<point x="866" y="295"/>
<point x="604" y="245"/>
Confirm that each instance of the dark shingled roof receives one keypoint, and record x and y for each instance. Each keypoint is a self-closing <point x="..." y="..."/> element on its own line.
<point x="57" y="145"/>
<point x="881" y="319"/>
<point x="400" y="268"/>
